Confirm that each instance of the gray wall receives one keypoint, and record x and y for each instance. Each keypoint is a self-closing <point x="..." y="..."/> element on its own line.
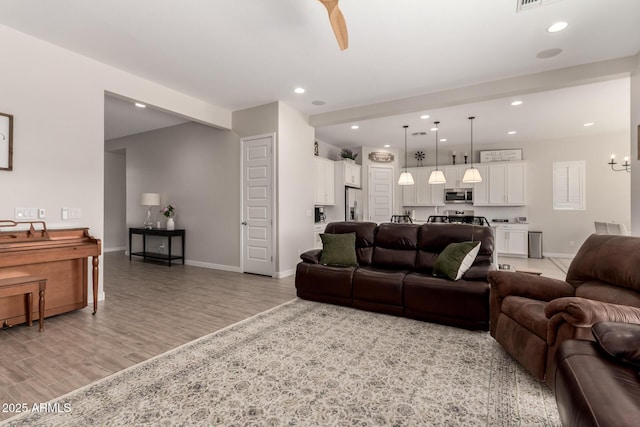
<point x="195" y="168"/>
<point x="634" y="143"/>
<point x="115" y="201"/>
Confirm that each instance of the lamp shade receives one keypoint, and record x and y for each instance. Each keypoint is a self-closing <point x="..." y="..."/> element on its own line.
<point x="405" y="179"/>
<point x="437" y="177"/>
<point x="471" y="175"/>
<point x="150" y="199"/>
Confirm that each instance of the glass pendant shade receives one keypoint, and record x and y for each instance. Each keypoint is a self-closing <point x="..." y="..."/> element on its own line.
<point x="405" y="179"/>
<point x="471" y="175"/>
<point x="437" y="177"/>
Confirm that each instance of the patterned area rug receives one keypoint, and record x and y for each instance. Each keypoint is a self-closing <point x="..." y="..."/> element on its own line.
<point x="305" y="363"/>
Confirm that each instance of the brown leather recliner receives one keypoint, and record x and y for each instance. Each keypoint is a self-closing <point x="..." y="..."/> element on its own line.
<point x="531" y="315"/>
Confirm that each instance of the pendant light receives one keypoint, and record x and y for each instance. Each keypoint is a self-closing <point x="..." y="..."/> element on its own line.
<point x="405" y="177"/>
<point x="471" y="175"/>
<point x="437" y="177"/>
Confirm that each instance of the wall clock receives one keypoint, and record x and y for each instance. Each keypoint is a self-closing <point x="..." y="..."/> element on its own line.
<point x="419" y="157"/>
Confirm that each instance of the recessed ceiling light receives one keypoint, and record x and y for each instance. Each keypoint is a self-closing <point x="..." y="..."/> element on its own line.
<point x="512" y="132"/>
<point x="355" y="127"/>
<point x="588" y="124"/>
<point x="443" y="140"/>
<point x="387" y="145"/>
<point x="557" y="26"/>
<point x="549" y="53"/>
<point x="140" y="105"/>
<point x="424" y="116"/>
<point x="299" y="90"/>
<point x="516" y="103"/>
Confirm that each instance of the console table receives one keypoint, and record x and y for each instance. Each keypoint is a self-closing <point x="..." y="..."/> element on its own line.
<point x="162" y="232"/>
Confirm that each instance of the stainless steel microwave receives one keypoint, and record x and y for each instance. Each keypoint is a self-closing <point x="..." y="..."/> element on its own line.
<point x="458" y="195"/>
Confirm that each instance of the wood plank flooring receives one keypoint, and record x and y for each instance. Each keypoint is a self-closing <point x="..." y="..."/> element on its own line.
<point x="149" y="309"/>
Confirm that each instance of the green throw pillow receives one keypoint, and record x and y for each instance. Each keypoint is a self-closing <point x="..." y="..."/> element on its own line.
<point x="339" y="250"/>
<point x="456" y="259"/>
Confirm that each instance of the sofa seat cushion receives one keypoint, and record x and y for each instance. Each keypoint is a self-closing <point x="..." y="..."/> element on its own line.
<point x="324" y="283"/>
<point x="378" y="285"/>
<point x="528" y="313"/>
<point x="466" y="299"/>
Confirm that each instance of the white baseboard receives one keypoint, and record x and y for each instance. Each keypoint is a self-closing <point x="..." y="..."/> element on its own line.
<point x="123" y="248"/>
<point x="212" y="266"/>
<point x="557" y="255"/>
<point x="283" y="274"/>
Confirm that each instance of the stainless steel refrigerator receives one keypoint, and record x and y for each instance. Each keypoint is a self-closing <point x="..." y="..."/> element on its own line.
<point x="353" y="204"/>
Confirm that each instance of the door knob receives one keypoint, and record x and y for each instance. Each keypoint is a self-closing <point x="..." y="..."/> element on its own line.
<point x="244" y="222"/>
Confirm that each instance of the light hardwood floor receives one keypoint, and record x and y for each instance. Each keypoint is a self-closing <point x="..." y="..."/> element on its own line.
<point x="150" y="308"/>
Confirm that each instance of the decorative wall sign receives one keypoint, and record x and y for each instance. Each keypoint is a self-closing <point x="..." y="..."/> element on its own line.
<point x="500" y="155"/>
<point x="381" y="157"/>
<point x="315" y="148"/>
<point x="6" y="142"/>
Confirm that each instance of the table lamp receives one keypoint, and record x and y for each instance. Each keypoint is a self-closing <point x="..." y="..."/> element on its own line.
<point x="149" y="200"/>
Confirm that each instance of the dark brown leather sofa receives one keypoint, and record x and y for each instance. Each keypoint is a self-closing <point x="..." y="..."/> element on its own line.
<point x="532" y="315"/>
<point x="594" y="388"/>
<point x="395" y="273"/>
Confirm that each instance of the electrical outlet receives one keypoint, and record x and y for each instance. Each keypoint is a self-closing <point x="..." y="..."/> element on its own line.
<point x="572" y="243"/>
<point x="42" y="213"/>
<point x="65" y="213"/>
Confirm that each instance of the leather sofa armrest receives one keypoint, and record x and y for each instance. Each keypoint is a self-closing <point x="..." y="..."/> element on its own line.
<point x="312" y="256"/>
<point x="582" y="312"/>
<point x="528" y="285"/>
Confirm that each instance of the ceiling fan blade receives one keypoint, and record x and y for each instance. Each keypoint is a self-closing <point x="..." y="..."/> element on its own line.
<point x="337" y="22"/>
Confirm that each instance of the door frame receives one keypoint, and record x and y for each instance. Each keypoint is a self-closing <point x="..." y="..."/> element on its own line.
<point x="273" y="198"/>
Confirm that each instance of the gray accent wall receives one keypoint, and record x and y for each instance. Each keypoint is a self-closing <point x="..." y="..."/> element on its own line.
<point x="195" y="168"/>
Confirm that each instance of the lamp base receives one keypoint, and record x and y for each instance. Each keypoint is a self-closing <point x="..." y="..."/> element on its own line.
<point x="148" y="222"/>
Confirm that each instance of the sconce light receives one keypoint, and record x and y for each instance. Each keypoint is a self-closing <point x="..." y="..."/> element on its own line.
<point x="626" y="166"/>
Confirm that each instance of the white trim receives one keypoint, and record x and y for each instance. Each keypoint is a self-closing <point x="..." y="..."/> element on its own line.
<point x="557" y="255"/>
<point x="212" y="266"/>
<point x="121" y="248"/>
<point x="274" y="192"/>
<point x="283" y="274"/>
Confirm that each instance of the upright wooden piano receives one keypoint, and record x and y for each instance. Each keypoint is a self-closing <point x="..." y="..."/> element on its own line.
<point x="60" y="255"/>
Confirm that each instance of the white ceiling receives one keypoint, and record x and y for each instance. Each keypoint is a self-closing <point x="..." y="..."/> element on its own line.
<point x="239" y="54"/>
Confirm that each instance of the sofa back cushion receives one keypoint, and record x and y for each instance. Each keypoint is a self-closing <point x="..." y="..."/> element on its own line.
<point x="365" y="236"/>
<point x="395" y="246"/>
<point x="433" y="238"/>
<point x="609" y="259"/>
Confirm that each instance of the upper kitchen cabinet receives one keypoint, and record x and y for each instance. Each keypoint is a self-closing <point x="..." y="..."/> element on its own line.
<point x="507" y="184"/>
<point x="454" y="174"/>
<point x="481" y="189"/>
<point x="325" y="181"/>
<point x="422" y="193"/>
<point x="348" y="173"/>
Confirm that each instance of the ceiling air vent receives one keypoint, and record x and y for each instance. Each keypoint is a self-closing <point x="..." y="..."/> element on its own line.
<point x="531" y="4"/>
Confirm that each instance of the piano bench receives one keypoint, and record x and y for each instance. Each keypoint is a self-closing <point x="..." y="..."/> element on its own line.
<point x="25" y="285"/>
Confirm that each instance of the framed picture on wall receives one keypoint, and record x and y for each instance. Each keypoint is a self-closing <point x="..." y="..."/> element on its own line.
<point x="6" y="142"/>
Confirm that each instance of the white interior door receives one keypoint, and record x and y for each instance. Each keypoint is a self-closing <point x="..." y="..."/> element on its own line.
<point x="380" y="193"/>
<point x="257" y="205"/>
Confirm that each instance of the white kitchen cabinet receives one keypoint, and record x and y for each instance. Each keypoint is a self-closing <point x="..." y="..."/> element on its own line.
<point x="507" y="184"/>
<point x="481" y="189"/>
<point x="421" y="193"/>
<point x="512" y="239"/>
<point x="350" y="173"/>
<point x="325" y="181"/>
<point x="454" y="174"/>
